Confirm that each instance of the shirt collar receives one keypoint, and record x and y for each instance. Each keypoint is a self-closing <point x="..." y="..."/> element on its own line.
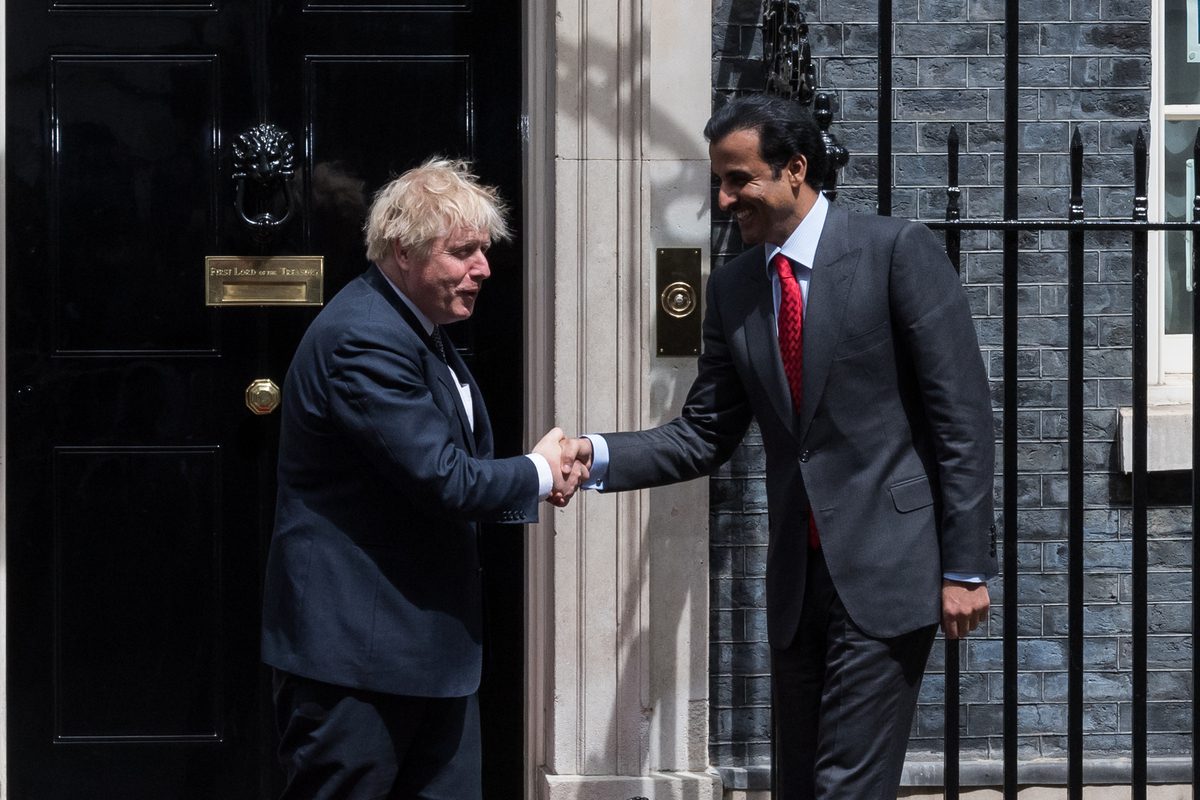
<point x="801" y="246"/>
<point x="424" y="320"/>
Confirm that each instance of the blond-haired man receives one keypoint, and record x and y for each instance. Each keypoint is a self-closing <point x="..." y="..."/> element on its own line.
<point x="372" y="613"/>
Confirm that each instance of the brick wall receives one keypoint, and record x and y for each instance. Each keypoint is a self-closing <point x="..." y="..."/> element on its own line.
<point x="1085" y="65"/>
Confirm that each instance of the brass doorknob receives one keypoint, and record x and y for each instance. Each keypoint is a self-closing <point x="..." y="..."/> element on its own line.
<point x="262" y="396"/>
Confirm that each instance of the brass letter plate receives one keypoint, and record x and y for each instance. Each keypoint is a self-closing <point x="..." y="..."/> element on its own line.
<point x="264" y="280"/>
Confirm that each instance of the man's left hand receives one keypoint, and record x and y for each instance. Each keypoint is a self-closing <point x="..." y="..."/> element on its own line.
<point x="964" y="606"/>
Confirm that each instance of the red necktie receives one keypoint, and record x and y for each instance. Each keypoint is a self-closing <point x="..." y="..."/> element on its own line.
<point x="791" y="327"/>
<point x="791" y="346"/>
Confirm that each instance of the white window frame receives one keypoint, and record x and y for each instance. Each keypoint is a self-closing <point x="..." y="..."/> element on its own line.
<point x="1169" y="416"/>
<point x="1170" y="356"/>
<point x="1193" y="24"/>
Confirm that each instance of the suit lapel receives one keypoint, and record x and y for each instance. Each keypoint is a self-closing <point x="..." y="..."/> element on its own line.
<point x="380" y="283"/>
<point x="828" y="291"/>
<point x="762" y="339"/>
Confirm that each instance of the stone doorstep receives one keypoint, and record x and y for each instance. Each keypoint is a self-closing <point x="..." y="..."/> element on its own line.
<point x="655" y="786"/>
<point x="979" y="773"/>
<point x="1156" y="792"/>
<point x="1041" y="779"/>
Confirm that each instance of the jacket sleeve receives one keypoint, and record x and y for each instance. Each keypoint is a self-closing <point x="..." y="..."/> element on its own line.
<point x="712" y="423"/>
<point x="931" y="315"/>
<point x="380" y="397"/>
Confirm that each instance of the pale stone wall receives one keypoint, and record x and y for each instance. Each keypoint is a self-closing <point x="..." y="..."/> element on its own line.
<point x="617" y="585"/>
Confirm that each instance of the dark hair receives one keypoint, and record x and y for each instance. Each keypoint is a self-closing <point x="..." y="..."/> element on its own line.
<point x="785" y="129"/>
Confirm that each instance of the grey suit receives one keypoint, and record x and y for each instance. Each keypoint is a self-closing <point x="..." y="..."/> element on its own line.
<point x="892" y="449"/>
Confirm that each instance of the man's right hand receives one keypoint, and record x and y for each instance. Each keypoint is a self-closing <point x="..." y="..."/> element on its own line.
<point x="576" y="451"/>
<point x="575" y="464"/>
<point x="567" y="473"/>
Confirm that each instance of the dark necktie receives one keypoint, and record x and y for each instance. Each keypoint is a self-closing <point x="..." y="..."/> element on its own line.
<point x="791" y="347"/>
<point x="438" y="346"/>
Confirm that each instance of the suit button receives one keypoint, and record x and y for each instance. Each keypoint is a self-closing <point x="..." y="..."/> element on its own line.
<point x="804" y="456"/>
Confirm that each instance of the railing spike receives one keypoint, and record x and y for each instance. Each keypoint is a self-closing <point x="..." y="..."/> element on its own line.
<point x="1196" y="197"/>
<point x="953" y="237"/>
<point x="1196" y="165"/>
<point x="1141" y="204"/>
<point x="1076" y="211"/>
<point x="952" y="156"/>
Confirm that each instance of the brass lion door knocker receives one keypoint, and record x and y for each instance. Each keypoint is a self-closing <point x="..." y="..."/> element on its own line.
<point x="263" y="156"/>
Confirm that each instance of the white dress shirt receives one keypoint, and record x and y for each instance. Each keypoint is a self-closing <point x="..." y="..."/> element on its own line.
<point x="801" y="249"/>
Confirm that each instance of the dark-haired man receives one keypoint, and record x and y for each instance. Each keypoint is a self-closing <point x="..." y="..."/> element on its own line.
<point x="848" y="338"/>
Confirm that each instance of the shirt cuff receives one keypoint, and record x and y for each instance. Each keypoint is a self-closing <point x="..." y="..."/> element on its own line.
<point x="965" y="577"/>
<point x="599" y="469"/>
<point x="545" y="477"/>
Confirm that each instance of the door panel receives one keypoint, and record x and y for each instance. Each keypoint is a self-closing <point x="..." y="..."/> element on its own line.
<point x="129" y="132"/>
<point x="140" y="488"/>
<point x="124" y="561"/>
<point x="340" y="88"/>
<point x="149" y="636"/>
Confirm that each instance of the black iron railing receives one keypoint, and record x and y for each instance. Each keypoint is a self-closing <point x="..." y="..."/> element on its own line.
<point x="790" y="73"/>
<point x="1078" y="229"/>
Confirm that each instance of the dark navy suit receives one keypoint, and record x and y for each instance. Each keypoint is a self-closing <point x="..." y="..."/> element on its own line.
<point x="373" y="584"/>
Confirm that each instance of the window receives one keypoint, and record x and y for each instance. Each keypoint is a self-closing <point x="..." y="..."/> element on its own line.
<point x="1175" y="116"/>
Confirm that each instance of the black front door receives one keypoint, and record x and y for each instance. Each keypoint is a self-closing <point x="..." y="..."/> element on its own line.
<point x="140" y="487"/>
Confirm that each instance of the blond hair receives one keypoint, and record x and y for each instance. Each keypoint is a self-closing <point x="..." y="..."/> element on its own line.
<point x="430" y="201"/>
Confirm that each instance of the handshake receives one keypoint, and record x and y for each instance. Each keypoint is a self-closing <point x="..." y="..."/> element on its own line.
<point x="570" y="462"/>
